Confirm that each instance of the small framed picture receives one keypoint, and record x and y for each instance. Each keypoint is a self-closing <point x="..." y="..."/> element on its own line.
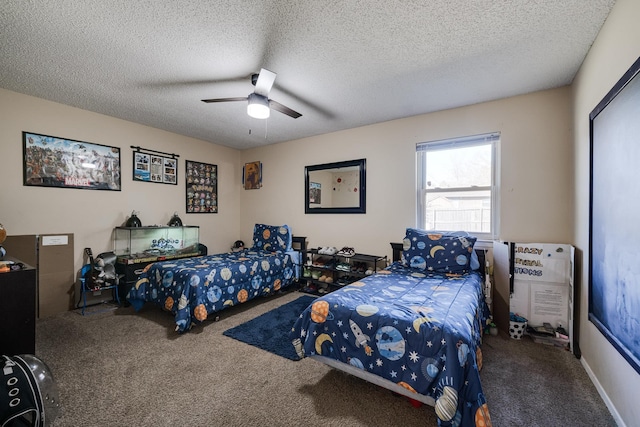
<point x="315" y="193"/>
<point x="252" y="176"/>
<point x="150" y="167"/>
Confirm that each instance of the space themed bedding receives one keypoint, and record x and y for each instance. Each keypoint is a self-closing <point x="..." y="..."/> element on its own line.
<point x="194" y="288"/>
<point x="412" y="330"/>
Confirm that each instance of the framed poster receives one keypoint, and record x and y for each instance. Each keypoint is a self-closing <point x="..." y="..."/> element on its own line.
<point x="202" y="187"/>
<point x="155" y="166"/>
<point x="50" y="161"/>
<point x="315" y="193"/>
<point x="614" y="271"/>
<point x="252" y="176"/>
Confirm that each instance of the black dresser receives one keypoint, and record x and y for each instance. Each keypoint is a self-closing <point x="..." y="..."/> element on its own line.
<point x="18" y="310"/>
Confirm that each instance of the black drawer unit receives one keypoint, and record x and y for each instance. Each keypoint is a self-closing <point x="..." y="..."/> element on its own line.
<point x="131" y="268"/>
<point x="18" y="311"/>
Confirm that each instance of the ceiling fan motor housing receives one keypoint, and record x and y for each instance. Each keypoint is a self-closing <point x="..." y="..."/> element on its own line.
<point x="259" y="104"/>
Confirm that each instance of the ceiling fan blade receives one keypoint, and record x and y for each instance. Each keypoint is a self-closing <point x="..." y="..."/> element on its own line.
<point x="265" y="82"/>
<point x="285" y="110"/>
<point x="244" y="98"/>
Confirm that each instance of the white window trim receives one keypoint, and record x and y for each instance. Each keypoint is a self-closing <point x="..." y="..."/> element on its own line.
<point x="495" y="138"/>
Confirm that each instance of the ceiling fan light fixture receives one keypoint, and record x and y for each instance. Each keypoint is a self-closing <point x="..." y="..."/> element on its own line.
<point x="258" y="106"/>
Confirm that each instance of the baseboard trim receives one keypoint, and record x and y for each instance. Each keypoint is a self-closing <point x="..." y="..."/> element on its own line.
<point x="602" y="393"/>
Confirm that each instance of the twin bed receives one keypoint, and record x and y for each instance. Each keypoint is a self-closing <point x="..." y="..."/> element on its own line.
<point x="195" y="288"/>
<point x="414" y="328"/>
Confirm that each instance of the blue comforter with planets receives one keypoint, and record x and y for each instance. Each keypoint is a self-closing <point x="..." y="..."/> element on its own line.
<point x="419" y="330"/>
<point x="194" y="288"/>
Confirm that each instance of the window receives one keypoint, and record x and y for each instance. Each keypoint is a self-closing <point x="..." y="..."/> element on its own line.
<point x="457" y="185"/>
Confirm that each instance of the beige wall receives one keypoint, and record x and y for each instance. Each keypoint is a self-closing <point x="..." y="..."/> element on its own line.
<point x="536" y="173"/>
<point x="92" y="215"/>
<point x="326" y="197"/>
<point x="613" y="52"/>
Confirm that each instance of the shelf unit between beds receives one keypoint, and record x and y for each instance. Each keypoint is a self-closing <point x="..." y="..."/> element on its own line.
<point x="341" y="277"/>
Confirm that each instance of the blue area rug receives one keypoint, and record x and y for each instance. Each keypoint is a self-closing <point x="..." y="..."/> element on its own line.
<point x="270" y="331"/>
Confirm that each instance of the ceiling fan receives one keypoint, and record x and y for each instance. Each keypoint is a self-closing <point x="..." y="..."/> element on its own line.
<point x="259" y="104"/>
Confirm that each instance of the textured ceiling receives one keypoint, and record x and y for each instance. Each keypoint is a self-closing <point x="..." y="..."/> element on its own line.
<point x="341" y="63"/>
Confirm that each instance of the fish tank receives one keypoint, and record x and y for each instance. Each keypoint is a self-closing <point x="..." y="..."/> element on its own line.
<point x="139" y="244"/>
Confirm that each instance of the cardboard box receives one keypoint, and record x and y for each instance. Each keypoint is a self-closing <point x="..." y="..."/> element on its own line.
<point x="52" y="256"/>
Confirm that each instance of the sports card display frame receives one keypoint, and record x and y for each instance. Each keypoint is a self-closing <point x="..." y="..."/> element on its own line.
<point x="202" y="187"/>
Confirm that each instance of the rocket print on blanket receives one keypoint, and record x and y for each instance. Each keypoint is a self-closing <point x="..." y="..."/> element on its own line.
<point x="416" y="329"/>
<point x="361" y="339"/>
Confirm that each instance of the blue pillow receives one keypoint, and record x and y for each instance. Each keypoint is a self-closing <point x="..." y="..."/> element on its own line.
<point x="475" y="262"/>
<point x="272" y="237"/>
<point x="438" y="252"/>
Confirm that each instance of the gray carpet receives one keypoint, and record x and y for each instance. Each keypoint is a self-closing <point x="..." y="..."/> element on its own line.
<point x="121" y="368"/>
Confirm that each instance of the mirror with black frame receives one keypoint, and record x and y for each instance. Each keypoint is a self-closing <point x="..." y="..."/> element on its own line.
<point x="338" y="187"/>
